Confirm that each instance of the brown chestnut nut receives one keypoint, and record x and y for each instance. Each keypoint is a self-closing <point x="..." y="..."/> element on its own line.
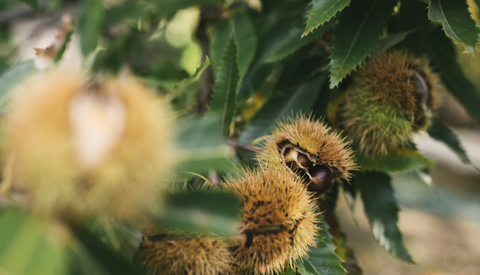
<point x="303" y="160"/>
<point x="322" y="179"/>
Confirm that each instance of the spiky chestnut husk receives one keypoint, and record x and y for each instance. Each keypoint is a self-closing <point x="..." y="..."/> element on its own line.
<point x="84" y="150"/>
<point x="311" y="150"/>
<point x="391" y="98"/>
<point x="278" y="220"/>
<point x="164" y="252"/>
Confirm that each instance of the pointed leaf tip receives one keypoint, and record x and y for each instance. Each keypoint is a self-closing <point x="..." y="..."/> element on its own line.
<point x="359" y="29"/>
<point x="457" y="22"/>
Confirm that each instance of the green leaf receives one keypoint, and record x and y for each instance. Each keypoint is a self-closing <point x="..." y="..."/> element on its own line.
<point x="123" y="11"/>
<point x="359" y="30"/>
<point x="222" y="34"/>
<point x="403" y="160"/>
<point x="441" y="132"/>
<point x="170" y="6"/>
<point x="61" y="51"/>
<point x="201" y="147"/>
<point x="456" y="20"/>
<point x="288" y="271"/>
<point x="331" y="197"/>
<point x="281" y="105"/>
<point x="293" y="41"/>
<point x="30" y="245"/>
<point x="32" y="3"/>
<point x="92" y="256"/>
<point x="246" y="41"/>
<point x="201" y="211"/>
<point x="272" y="29"/>
<point x="339" y="240"/>
<point x="322" y="11"/>
<point x="442" y="53"/>
<point x="241" y="29"/>
<point x="13" y="77"/>
<point x="382" y="211"/>
<point x="350" y="193"/>
<point x="89" y="25"/>
<point x="224" y="94"/>
<point x="322" y="258"/>
<point x="180" y="87"/>
<point x="392" y="40"/>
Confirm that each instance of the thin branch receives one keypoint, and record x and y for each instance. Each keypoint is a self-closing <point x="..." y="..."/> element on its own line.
<point x="13" y="14"/>
<point x="247" y="147"/>
<point x="207" y="15"/>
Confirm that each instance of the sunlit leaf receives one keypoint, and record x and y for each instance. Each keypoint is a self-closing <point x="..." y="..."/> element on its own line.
<point x="180" y="87"/>
<point x="359" y="29"/>
<point x="89" y="25"/>
<point x="31" y="245"/>
<point x="382" y="210"/>
<point x="13" y="77"/>
<point x="456" y="20"/>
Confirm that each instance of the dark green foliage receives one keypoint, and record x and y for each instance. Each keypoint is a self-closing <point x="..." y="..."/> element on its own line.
<point x="441" y="132"/>
<point x="322" y="258"/>
<point x="281" y="105"/>
<point x="223" y="98"/>
<point x="201" y="211"/>
<point x="90" y="256"/>
<point x="89" y="23"/>
<point x="322" y="11"/>
<point x="359" y="30"/>
<point x="382" y="211"/>
<point x="456" y="21"/>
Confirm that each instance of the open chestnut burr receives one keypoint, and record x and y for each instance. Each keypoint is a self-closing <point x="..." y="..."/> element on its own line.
<point x="310" y="150"/>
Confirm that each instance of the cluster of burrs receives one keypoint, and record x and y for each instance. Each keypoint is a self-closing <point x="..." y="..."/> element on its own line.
<point x="391" y="98"/>
<point x="279" y="220"/>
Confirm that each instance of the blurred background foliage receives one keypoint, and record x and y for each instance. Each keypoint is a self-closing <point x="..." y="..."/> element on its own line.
<point x="182" y="49"/>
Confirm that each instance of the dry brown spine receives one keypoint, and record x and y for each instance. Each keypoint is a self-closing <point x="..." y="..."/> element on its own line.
<point x="163" y="252"/>
<point x="278" y="220"/>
